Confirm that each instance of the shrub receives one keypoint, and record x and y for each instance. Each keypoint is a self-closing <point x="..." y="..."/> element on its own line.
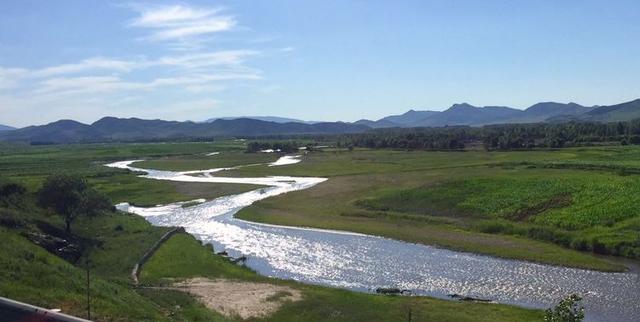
<point x="568" y="310"/>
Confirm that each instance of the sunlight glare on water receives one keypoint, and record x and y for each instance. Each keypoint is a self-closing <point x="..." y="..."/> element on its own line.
<point x="363" y="263"/>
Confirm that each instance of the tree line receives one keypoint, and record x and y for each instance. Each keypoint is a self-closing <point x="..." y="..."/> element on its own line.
<point x="496" y="137"/>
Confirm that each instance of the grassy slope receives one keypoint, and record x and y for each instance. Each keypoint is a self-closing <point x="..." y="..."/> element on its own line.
<point x="32" y="275"/>
<point x="183" y="257"/>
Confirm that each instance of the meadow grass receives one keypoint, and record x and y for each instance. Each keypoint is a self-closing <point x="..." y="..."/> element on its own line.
<point x="204" y="162"/>
<point x="31" y="165"/>
<point x="470" y="201"/>
<point x="366" y="189"/>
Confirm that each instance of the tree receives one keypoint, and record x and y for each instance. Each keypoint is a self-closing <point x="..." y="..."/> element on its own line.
<point x="568" y="310"/>
<point x="71" y="197"/>
<point x="11" y="194"/>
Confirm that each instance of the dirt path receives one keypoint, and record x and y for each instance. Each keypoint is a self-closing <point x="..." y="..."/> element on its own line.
<point x="235" y="298"/>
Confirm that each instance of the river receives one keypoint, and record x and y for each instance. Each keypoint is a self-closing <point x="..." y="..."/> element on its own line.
<point x="363" y="263"/>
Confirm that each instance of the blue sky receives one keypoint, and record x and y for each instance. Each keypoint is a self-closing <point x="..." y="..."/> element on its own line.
<point x="315" y="60"/>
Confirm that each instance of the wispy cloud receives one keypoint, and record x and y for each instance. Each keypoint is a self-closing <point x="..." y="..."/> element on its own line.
<point x="9" y="76"/>
<point x="146" y="84"/>
<point x="177" y="22"/>
<point x="96" y="63"/>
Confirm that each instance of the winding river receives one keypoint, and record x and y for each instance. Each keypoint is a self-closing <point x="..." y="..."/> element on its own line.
<point x="363" y="263"/>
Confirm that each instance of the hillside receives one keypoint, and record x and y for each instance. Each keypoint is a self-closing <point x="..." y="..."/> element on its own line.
<point x="408" y="119"/>
<point x="466" y="114"/>
<point x="377" y="124"/>
<point x="275" y="119"/>
<point x="620" y="112"/>
<point x="131" y="129"/>
<point x="6" y="128"/>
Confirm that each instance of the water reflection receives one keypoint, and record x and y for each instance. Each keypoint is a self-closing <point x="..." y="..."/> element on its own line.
<point x="363" y="263"/>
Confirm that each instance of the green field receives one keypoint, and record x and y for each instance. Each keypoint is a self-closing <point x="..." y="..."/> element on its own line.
<point x="533" y="205"/>
<point x="550" y="206"/>
<point x="114" y="242"/>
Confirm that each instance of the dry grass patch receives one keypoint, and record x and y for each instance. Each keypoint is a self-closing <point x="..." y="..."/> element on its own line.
<point x="235" y="298"/>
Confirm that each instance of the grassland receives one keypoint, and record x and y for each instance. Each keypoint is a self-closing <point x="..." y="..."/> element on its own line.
<point x="203" y="162"/>
<point x="113" y="243"/>
<point x="29" y="165"/>
<point x="533" y="205"/>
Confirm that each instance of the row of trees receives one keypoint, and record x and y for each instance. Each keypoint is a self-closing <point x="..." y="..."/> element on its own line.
<point x="411" y="139"/>
<point x="525" y="136"/>
<point x="496" y="137"/>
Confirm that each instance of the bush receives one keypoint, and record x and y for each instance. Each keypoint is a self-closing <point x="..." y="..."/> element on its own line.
<point x="568" y="310"/>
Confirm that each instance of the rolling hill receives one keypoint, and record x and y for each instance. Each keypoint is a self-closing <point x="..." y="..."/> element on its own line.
<point x="466" y="114"/>
<point x="275" y="119"/>
<point x="620" y="112"/>
<point x="6" y="128"/>
<point x="134" y="129"/>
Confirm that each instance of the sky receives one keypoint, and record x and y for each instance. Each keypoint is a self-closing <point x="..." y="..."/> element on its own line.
<point x="314" y="60"/>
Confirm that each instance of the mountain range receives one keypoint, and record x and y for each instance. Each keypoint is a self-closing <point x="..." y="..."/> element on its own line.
<point x="134" y="129"/>
<point x="466" y="114"/>
<point x="275" y="119"/>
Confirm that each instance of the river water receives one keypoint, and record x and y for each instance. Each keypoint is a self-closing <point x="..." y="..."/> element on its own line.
<point x="363" y="263"/>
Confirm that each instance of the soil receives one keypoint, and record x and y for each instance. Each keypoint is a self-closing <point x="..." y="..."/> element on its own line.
<point x="236" y="298"/>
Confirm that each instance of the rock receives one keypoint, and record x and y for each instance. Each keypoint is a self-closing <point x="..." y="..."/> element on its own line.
<point x="55" y="245"/>
<point x="467" y="298"/>
<point x="242" y="259"/>
<point x="384" y="290"/>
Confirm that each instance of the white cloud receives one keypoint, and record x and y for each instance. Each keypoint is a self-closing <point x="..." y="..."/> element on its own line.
<point x="83" y="85"/>
<point x="180" y="21"/>
<point x="196" y="60"/>
<point x="95" y="63"/>
<point x="9" y="76"/>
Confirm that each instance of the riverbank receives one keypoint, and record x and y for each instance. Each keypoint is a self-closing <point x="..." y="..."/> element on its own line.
<point x="364" y="263"/>
<point x="183" y="258"/>
<point x="120" y="240"/>
<point x="540" y="206"/>
<point x="491" y="206"/>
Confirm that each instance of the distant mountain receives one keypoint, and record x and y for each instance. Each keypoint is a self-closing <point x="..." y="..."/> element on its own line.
<point x="60" y="131"/>
<point x="376" y="124"/>
<point x="6" y="128"/>
<point x="275" y="119"/>
<point x="408" y="119"/>
<point x="613" y="113"/>
<point x="543" y="112"/>
<point x="133" y="129"/>
<point x="466" y="114"/>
